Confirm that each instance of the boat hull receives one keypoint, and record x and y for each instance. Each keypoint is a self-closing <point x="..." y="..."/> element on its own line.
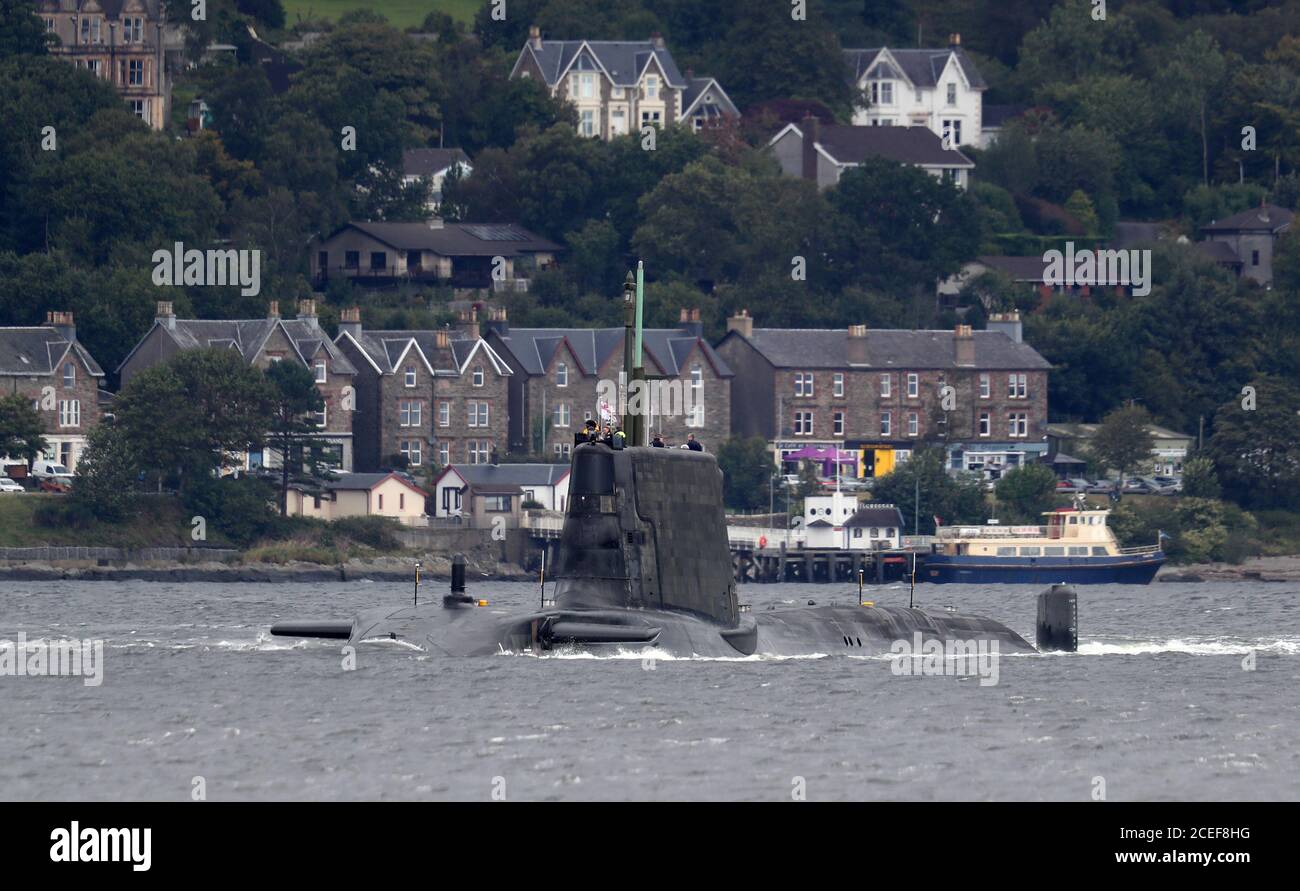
<point x="941" y="569"/>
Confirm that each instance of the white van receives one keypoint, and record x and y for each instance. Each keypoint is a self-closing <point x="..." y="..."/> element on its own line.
<point x="51" y="470"/>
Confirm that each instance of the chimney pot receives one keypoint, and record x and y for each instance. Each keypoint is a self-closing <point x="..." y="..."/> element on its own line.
<point x="441" y="339"/>
<point x="307" y="309"/>
<point x="742" y="324"/>
<point x="273" y="310"/>
<point x="535" y="36"/>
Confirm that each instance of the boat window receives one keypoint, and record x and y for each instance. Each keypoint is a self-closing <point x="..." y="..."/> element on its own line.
<point x="1073" y="520"/>
<point x="1078" y="552"/>
<point x="1054" y="552"/>
<point x="1099" y="552"/>
<point x="1030" y="552"/>
<point x="1006" y="552"/>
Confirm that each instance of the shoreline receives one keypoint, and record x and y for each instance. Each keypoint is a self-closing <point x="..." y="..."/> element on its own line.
<point x="437" y="567"/>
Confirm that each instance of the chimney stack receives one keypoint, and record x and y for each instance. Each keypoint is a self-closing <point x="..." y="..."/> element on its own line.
<point x="498" y="322"/>
<point x="441" y="339"/>
<point x="469" y="322"/>
<point x="856" y="346"/>
<point x="350" y="322"/>
<point x="964" y="345"/>
<point x="954" y="41"/>
<point x="535" y="36"/>
<point x="1008" y="323"/>
<point x="62" y="322"/>
<point x="742" y="323"/>
<point x="656" y="40"/>
<point x="307" y="311"/>
<point x="273" y="310"/>
<point x="690" y="322"/>
<point x="166" y="316"/>
<point x="812" y="134"/>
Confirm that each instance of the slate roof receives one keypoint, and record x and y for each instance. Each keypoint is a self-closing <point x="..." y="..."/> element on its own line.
<point x="457" y="239"/>
<point x="695" y="88"/>
<point x="922" y="67"/>
<point x="1219" y="252"/>
<point x="889" y="349"/>
<point x="111" y="9"/>
<point x="249" y="336"/>
<point x="39" y="351"/>
<point x="874" y="513"/>
<point x="428" y="161"/>
<point x="1029" y="268"/>
<point x="666" y="349"/>
<point x="905" y="145"/>
<point x="1269" y="218"/>
<point x="367" y="481"/>
<point x="388" y="349"/>
<point x="482" y="476"/>
<point x="623" y="60"/>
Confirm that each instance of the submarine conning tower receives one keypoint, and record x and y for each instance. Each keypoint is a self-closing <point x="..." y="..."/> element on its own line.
<point x="645" y="529"/>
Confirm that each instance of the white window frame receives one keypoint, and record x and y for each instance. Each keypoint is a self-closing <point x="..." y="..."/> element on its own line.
<point x="69" y="375"/>
<point x="410" y="378"/>
<point x="886" y="385"/>
<point x="562" y="414"/>
<point x="913" y="385"/>
<point x="478" y="378"/>
<point x="886" y="423"/>
<point x="913" y="424"/>
<point x="837" y="385"/>
<point x="561" y="375"/>
<point x="323" y="417"/>
<point x="838" y="425"/>
<point x="986" y="424"/>
<point x="70" y="413"/>
<point x="322" y="372"/>
<point x="985" y="386"/>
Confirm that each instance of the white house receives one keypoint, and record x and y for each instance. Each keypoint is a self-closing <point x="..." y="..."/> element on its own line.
<point x="940" y="89"/>
<point x="503" y="488"/>
<point x="434" y="164"/>
<point x="876" y="525"/>
<point x="824" y="517"/>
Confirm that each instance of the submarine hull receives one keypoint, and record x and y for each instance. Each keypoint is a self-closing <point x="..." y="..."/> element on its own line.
<point x="800" y="631"/>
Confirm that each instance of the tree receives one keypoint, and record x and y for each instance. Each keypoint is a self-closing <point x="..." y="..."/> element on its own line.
<point x="1255" y="448"/>
<point x="1194" y="76"/>
<point x="954" y="500"/>
<point x="296" y="402"/>
<point x="21" y="32"/>
<point x="1123" y="440"/>
<point x="195" y="413"/>
<point x="746" y="472"/>
<point x="1199" y="478"/>
<point x="1025" y="493"/>
<point x="106" y="474"/>
<point x="21" y="429"/>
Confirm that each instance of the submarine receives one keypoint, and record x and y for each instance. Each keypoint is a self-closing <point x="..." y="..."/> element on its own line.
<point x="643" y="562"/>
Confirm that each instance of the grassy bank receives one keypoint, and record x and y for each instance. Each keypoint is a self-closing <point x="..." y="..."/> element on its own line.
<point x="401" y="13"/>
<point x="162" y="521"/>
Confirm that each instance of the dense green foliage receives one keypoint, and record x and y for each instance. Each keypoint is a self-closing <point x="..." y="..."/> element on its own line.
<point x="1024" y="493"/>
<point x="924" y="491"/>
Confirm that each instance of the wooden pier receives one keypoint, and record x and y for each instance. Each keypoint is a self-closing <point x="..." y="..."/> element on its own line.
<point x="754" y="564"/>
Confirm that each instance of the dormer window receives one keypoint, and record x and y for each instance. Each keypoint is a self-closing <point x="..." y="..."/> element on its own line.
<point x="478" y="375"/>
<point x="561" y="375"/>
<point x="69" y="375"/>
<point x="410" y="375"/>
<point x="652" y="86"/>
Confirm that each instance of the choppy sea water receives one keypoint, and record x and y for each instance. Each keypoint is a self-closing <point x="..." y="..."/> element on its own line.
<point x="1157" y="703"/>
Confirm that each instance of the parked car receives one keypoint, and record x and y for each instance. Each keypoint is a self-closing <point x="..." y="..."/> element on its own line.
<point x="11" y="487"/>
<point x="1067" y="487"/>
<point x="54" y="485"/>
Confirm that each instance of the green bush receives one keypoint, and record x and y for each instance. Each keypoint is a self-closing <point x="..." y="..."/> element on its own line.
<point x="379" y="533"/>
<point x="242" y="509"/>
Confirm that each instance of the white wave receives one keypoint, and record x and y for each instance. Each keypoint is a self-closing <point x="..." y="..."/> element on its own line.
<point x="1192" y="647"/>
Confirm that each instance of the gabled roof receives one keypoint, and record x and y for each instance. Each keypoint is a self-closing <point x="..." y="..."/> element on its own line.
<point x="666" y="349"/>
<point x="456" y="239"/>
<point x="368" y="481"/>
<point x="249" y="337"/>
<point x="922" y="67"/>
<point x="431" y="161"/>
<point x="875" y="513"/>
<point x="39" y="351"/>
<point x="389" y="350"/>
<point x="1219" y="252"/>
<point x="697" y="88"/>
<point x="1266" y="218"/>
<point x="889" y="349"/>
<point x="846" y="144"/>
<point x="479" y="476"/>
<point x="622" y="61"/>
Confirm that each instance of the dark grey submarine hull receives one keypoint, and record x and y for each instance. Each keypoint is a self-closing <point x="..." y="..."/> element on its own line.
<point x="643" y="561"/>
